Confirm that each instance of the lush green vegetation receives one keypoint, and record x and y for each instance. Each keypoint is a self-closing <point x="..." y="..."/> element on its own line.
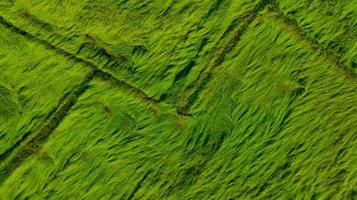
<point x="225" y="99"/>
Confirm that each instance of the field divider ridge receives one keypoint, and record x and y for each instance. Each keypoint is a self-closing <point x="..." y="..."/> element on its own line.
<point x="33" y="143"/>
<point x="77" y="59"/>
<point x="324" y="52"/>
<point x="234" y="34"/>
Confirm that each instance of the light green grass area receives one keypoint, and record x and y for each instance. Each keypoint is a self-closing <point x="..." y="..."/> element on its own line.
<point x="33" y="81"/>
<point x="201" y="99"/>
<point x="150" y="42"/>
<point x="102" y="149"/>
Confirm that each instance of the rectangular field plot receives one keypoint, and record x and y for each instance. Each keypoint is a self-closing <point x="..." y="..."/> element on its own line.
<point x="33" y="80"/>
<point x="285" y="115"/>
<point x="155" y="52"/>
<point x="112" y="142"/>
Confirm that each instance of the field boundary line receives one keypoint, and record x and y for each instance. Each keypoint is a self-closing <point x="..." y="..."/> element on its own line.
<point x="234" y="37"/>
<point x="33" y="143"/>
<point x="71" y="56"/>
<point x="324" y="52"/>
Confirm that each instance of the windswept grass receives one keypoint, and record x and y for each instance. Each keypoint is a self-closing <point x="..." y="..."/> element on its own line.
<point x="9" y="105"/>
<point x="115" y="126"/>
<point x="36" y="79"/>
<point x="202" y="99"/>
<point x="332" y="24"/>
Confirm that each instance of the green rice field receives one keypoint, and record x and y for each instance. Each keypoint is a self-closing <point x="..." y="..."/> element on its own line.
<point x="178" y="99"/>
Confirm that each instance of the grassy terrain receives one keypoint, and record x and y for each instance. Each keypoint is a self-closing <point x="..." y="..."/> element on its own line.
<point x="33" y="80"/>
<point x="226" y="99"/>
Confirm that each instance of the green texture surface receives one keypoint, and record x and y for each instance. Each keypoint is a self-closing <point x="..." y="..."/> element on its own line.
<point x="201" y="99"/>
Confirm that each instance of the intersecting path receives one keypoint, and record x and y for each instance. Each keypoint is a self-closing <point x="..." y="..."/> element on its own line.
<point x="32" y="142"/>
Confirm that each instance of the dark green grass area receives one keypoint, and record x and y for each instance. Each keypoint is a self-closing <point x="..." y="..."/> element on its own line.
<point x="332" y="24"/>
<point x="202" y="99"/>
